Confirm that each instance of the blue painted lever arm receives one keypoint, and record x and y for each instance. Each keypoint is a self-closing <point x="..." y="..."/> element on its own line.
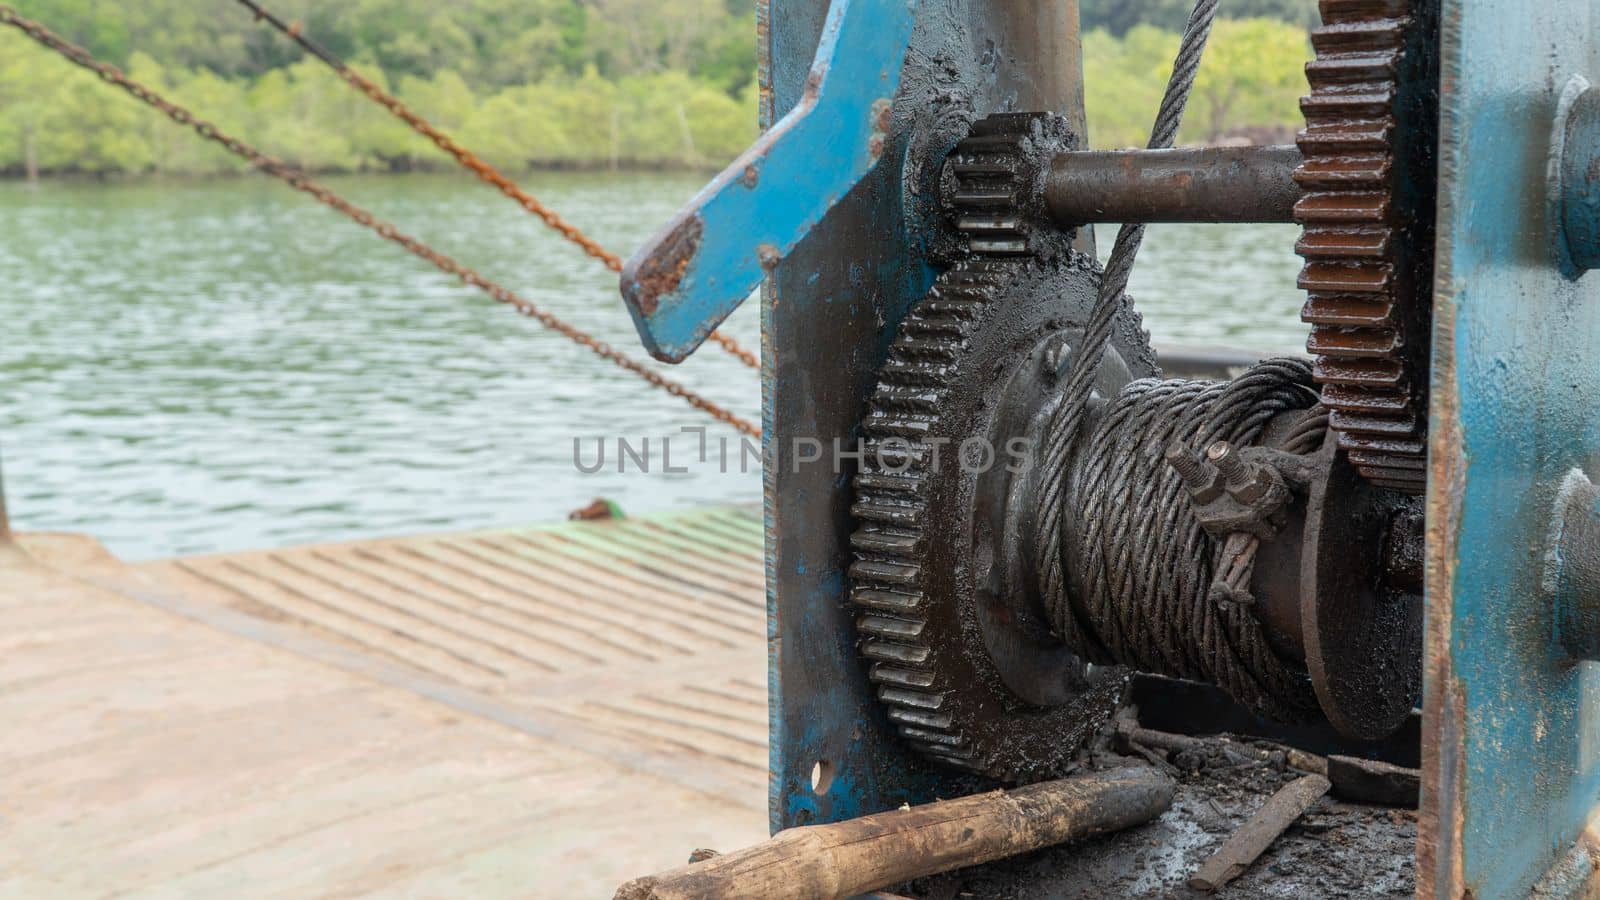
<point x="706" y="261"/>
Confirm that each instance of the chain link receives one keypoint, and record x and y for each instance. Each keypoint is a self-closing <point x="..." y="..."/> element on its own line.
<point x="469" y="160"/>
<point x="303" y="183"/>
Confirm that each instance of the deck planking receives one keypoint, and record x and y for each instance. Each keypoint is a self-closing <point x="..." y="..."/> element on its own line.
<point x="537" y="712"/>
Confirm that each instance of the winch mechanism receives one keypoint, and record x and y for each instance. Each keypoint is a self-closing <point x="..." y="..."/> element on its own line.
<point x="1261" y="534"/>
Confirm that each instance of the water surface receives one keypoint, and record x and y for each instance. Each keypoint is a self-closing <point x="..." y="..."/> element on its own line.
<point x="197" y="366"/>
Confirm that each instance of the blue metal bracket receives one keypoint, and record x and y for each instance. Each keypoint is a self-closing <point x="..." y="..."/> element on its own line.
<point x="1511" y="743"/>
<point x="716" y="251"/>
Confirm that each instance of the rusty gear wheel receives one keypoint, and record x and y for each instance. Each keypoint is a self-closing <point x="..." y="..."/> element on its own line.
<point x="953" y="635"/>
<point x="1368" y="217"/>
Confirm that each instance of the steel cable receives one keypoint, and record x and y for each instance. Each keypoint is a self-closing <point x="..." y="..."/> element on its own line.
<point x="485" y="172"/>
<point x="1146" y="571"/>
<point x="304" y="183"/>
<point x="1062" y="429"/>
<point x="1153" y="589"/>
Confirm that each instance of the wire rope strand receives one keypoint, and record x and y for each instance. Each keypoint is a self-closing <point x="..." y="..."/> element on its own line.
<point x="1062" y="429"/>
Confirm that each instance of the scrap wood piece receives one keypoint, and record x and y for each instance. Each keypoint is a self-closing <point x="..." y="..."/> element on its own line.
<point x="845" y="859"/>
<point x="1133" y="737"/>
<point x="1246" y="845"/>
<point x="1371" y="781"/>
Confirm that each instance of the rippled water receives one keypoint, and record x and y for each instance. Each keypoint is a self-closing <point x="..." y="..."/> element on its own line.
<point x="218" y="365"/>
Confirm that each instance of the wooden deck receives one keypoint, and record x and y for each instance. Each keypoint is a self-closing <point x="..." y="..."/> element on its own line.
<point x="543" y="712"/>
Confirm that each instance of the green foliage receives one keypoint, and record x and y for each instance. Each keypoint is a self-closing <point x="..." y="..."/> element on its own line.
<point x="550" y="83"/>
<point x="1121" y="16"/>
<point x="1251" y="80"/>
<point x="529" y="82"/>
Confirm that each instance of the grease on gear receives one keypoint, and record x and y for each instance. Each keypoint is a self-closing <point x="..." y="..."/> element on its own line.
<point x="996" y="317"/>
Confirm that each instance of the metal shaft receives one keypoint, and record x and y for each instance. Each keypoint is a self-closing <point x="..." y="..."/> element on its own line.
<point x="1214" y="184"/>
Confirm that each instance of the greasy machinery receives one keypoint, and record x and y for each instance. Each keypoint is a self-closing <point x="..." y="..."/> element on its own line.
<point x="1032" y="514"/>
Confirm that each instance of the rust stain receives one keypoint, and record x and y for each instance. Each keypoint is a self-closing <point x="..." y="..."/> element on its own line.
<point x="1441" y="823"/>
<point x="883" y="115"/>
<point x="661" y="275"/>
<point x="751" y="176"/>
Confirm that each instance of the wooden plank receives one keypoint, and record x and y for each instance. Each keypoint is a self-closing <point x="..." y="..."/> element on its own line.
<point x="849" y="858"/>
<point x="1244" y="846"/>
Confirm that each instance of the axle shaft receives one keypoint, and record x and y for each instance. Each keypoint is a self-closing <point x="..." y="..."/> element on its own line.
<point x="1214" y="184"/>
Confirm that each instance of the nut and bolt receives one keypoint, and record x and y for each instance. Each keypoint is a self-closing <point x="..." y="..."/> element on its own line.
<point x="1198" y="475"/>
<point x="1223" y="455"/>
<point x="1246" y="482"/>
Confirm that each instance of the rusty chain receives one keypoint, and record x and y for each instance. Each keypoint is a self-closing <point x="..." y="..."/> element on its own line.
<point x="303" y="183"/>
<point x="468" y="160"/>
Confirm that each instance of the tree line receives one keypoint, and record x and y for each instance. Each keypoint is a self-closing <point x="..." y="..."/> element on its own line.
<point x="528" y="83"/>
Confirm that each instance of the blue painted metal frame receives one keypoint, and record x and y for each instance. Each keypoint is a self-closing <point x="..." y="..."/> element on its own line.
<point x="829" y="312"/>
<point x="686" y="280"/>
<point x="1512" y="741"/>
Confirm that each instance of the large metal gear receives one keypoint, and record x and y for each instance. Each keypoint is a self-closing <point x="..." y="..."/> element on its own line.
<point x="1368" y="218"/>
<point x="949" y="622"/>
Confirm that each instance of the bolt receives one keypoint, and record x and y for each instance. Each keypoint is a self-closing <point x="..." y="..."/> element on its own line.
<point x="1226" y="459"/>
<point x="1056" y="356"/>
<point x="1198" y="475"/>
<point x="1188" y="464"/>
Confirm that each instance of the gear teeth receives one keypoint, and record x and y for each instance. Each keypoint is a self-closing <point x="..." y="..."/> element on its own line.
<point x="929" y="348"/>
<point x="1354" y="68"/>
<point x="1367" y="171"/>
<point x="907" y="630"/>
<point x="1349" y="311"/>
<point x="885" y="576"/>
<point x="1340" y="397"/>
<point x="909" y="483"/>
<point x="918" y="398"/>
<point x="1343" y="209"/>
<point x="879" y="540"/>
<point x="920" y="719"/>
<point x="1373" y="374"/>
<point x="1373" y="423"/>
<point x="912" y="699"/>
<point x="1343" y="277"/>
<point x="895" y="454"/>
<point x="894" y="573"/>
<point x="916" y="373"/>
<point x="901" y="425"/>
<point x="1346" y="137"/>
<point x="944" y="743"/>
<point x="934" y="326"/>
<point x="903" y="514"/>
<point x="892" y="602"/>
<point x="1352" y="234"/>
<point x="903" y="677"/>
<point x="1354" y="243"/>
<point x="883" y="651"/>
<point x="1362" y="343"/>
<point x="988" y="195"/>
<point x="896" y="619"/>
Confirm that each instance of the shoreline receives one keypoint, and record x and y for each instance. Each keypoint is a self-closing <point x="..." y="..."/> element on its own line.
<point x="595" y="168"/>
